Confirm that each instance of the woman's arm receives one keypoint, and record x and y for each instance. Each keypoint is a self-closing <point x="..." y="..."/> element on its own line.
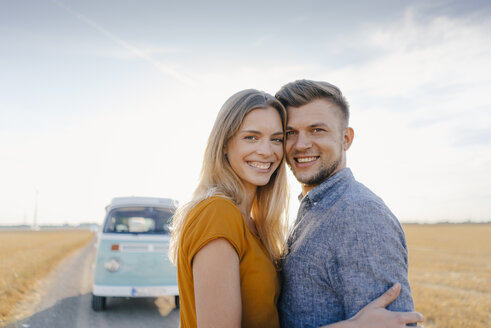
<point x="374" y="314"/>
<point x="217" y="285"/>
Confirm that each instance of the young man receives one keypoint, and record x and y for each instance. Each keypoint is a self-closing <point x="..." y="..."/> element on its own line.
<point x="346" y="247"/>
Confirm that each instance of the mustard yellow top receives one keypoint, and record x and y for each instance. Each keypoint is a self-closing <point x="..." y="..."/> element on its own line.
<point x="218" y="217"/>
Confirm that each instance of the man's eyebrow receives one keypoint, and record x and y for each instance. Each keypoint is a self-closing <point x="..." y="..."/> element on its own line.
<point x="313" y="125"/>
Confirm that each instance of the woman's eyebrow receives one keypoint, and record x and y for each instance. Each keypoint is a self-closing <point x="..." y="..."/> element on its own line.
<point x="259" y="132"/>
<point x="251" y="131"/>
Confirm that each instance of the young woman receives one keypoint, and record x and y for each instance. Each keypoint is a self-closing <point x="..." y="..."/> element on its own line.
<point x="228" y="240"/>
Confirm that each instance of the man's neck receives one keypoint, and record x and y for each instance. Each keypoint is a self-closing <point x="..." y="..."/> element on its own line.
<point x="306" y="188"/>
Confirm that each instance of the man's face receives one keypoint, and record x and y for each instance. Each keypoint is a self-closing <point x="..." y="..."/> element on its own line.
<point x="317" y="140"/>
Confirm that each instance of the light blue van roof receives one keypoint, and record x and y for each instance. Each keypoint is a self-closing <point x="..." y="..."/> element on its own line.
<point x="141" y="201"/>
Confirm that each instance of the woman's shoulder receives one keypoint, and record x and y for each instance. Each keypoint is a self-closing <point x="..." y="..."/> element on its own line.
<point x="217" y="201"/>
<point x="217" y="209"/>
<point x="215" y="205"/>
<point x="213" y="217"/>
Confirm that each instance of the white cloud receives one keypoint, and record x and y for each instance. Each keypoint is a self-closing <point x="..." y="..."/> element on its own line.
<point x="165" y="68"/>
<point x="421" y="107"/>
<point x="418" y="56"/>
<point x="151" y="50"/>
<point x="418" y="90"/>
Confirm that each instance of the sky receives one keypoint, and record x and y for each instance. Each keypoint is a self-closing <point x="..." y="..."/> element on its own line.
<point x="107" y="98"/>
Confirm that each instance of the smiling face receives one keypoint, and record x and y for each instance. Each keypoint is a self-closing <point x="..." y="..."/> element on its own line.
<point x="317" y="140"/>
<point x="256" y="150"/>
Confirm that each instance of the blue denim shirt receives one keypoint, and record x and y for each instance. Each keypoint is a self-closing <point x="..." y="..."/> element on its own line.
<point x="346" y="249"/>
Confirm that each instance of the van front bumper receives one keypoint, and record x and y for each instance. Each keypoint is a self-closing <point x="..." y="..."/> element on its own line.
<point x="137" y="291"/>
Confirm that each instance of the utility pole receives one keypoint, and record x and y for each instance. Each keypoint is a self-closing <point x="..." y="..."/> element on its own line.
<point x="35" y="223"/>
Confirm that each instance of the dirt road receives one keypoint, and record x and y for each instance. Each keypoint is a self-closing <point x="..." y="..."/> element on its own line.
<point x="63" y="300"/>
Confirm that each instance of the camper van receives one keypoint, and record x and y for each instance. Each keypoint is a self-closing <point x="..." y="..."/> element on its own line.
<point x="132" y="251"/>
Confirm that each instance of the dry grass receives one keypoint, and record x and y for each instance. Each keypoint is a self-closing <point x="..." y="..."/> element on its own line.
<point x="28" y="256"/>
<point x="449" y="269"/>
<point x="450" y="274"/>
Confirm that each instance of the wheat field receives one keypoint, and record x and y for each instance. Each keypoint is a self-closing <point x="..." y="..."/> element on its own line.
<point x="449" y="269"/>
<point x="27" y="256"/>
<point x="450" y="274"/>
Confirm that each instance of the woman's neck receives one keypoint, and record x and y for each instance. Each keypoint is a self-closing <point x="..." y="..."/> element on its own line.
<point x="245" y="208"/>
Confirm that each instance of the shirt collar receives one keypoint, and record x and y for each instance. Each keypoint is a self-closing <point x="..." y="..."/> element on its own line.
<point x="321" y="190"/>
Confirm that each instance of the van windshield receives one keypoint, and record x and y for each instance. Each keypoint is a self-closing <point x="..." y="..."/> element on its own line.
<point x="138" y="220"/>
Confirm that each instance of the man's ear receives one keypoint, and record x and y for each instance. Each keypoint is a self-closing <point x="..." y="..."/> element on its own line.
<point x="348" y="136"/>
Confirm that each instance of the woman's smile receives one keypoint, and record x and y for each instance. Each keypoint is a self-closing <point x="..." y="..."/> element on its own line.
<point x="260" y="165"/>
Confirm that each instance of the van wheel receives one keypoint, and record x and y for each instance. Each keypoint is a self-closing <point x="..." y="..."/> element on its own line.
<point x="98" y="303"/>
<point x="176" y="300"/>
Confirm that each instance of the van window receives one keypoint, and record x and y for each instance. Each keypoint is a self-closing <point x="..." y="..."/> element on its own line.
<point x="138" y="220"/>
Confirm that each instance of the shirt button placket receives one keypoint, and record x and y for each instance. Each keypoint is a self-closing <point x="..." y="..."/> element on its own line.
<point x="305" y="205"/>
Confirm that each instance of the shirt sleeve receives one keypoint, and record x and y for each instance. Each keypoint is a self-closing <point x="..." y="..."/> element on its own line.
<point x="370" y="256"/>
<point x="216" y="218"/>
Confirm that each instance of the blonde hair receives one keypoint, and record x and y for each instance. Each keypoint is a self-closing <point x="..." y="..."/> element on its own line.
<point x="217" y="177"/>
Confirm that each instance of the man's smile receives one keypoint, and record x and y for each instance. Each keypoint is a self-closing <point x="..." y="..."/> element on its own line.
<point x="306" y="159"/>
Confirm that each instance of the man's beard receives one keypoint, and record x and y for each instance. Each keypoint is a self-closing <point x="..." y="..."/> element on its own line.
<point x="322" y="175"/>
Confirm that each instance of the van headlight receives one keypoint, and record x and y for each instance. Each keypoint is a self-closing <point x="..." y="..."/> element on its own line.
<point x="112" y="265"/>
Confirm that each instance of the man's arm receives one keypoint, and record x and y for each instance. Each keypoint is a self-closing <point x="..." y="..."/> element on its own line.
<point x="370" y="255"/>
<point x="375" y="315"/>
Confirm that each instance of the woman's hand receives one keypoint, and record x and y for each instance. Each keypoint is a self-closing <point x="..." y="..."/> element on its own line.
<point x="375" y="314"/>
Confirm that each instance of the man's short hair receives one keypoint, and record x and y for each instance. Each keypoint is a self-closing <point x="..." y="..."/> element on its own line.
<point x="301" y="92"/>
